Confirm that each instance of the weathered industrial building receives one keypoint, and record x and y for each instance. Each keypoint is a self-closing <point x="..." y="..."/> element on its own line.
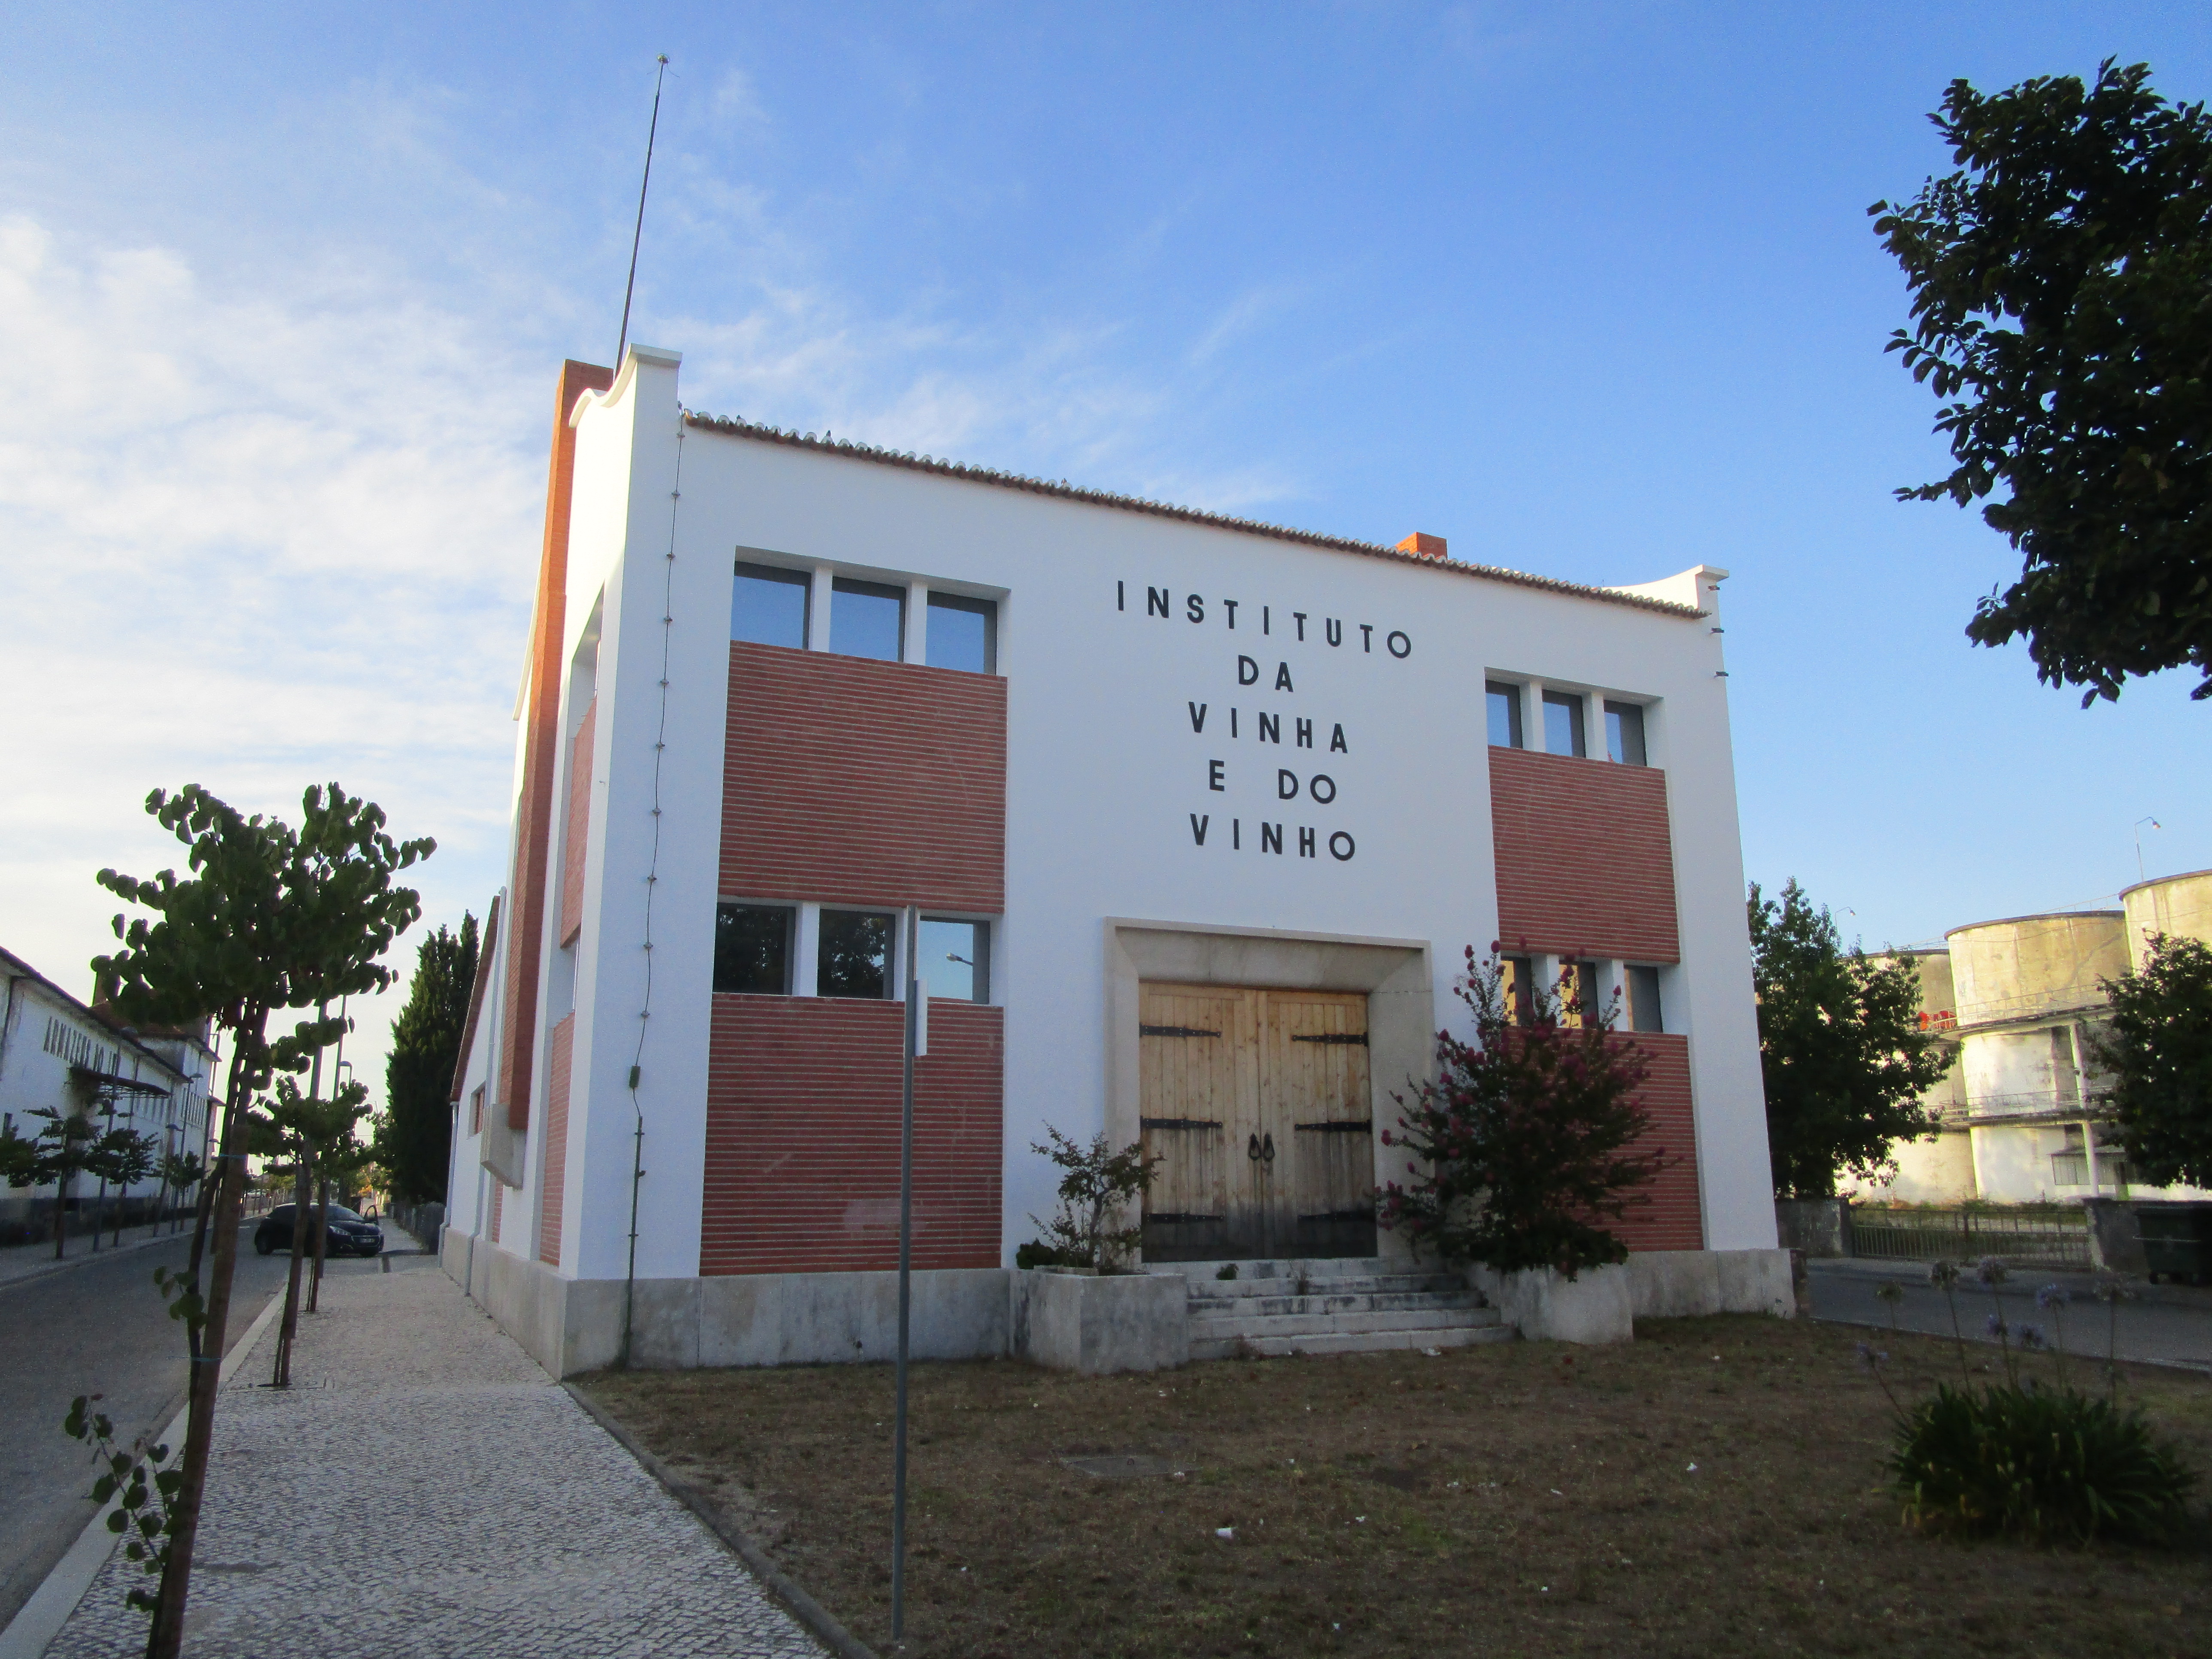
<point x="2018" y="1003"/>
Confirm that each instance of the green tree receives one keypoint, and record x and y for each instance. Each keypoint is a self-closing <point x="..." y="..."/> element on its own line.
<point x="309" y="1131"/>
<point x="122" y="1159"/>
<point x="70" y="1145"/>
<point x="1530" y="1140"/>
<point x="2159" y="1049"/>
<point x="414" y="1133"/>
<point x="1840" y="1048"/>
<point x="2059" y="313"/>
<point x="268" y="919"/>
<point x="182" y="1173"/>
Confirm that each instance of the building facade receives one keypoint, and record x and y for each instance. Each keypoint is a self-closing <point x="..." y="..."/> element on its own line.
<point x="2018" y="1004"/>
<point x="1200" y="817"/>
<point x="59" y="1054"/>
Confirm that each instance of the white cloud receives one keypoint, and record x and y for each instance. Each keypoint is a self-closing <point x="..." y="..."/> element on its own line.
<point x="251" y="544"/>
<point x="256" y="537"/>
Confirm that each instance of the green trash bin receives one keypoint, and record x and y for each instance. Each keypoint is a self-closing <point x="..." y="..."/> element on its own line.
<point x="2177" y="1240"/>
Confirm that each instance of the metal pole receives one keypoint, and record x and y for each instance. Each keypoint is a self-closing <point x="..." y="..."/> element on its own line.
<point x="905" y="1272"/>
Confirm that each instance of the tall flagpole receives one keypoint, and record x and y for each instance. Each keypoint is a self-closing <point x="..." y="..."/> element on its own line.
<point x="638" y="234"/>
<point x="905" y="1271"/>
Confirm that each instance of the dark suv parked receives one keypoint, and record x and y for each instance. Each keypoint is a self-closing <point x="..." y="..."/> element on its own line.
<point x="349" y="1232"/>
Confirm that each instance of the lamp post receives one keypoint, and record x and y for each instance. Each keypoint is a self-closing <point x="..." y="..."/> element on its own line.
<point x="917" y="1043"/>
<point x="2154" y="824"/>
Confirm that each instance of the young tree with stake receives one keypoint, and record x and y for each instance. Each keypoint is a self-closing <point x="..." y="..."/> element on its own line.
<point x="271" y="918"/>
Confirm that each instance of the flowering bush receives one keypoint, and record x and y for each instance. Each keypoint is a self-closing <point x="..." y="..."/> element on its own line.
<point x="1530" y="1140"/>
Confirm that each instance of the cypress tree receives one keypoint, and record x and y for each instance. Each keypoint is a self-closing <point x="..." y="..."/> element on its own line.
<point x="414" y="1135"/>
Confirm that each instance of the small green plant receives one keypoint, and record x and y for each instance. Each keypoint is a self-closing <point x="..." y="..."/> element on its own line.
<point x="1097" y="1187"/>
<point x="1037" y="1255"/>
<point x="1226" y="1270"/>
<point x="2046" y="1465"/>
<point x="144" y="1493"/>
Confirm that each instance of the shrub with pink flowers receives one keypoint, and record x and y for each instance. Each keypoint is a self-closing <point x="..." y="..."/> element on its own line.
<point x="1531" y="1140"/>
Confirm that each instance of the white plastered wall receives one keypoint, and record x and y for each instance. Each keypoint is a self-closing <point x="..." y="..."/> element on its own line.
<point x="1105" y="770"/>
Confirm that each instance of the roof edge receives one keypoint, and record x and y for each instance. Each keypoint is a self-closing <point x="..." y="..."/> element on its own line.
<point x="2160" y="881"/>
<point x="731" y="426"/>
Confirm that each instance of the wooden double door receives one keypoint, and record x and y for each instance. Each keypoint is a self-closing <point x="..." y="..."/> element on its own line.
<point x="1256" y="1103"/>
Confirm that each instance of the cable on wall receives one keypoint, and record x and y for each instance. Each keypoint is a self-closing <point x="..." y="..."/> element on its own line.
<point x="652" y="882"/>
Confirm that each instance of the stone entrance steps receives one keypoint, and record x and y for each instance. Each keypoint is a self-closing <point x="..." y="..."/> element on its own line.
<point x="1330" y="1306"/>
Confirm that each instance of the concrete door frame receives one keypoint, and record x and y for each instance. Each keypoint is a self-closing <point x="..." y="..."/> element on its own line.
<point x="1394" y="974"/>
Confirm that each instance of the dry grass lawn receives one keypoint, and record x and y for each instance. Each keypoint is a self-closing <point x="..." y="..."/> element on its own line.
<point x="1713" y="1489"/>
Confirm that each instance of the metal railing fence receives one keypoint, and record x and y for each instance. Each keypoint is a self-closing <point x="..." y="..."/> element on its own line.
<point x="2057" y="1234"/>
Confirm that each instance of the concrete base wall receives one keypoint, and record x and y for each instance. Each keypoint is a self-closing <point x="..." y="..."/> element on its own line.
<point x="1818" y="1226"/>
<point x="1546" y="1306"/>
<point x="569" y="1325"/>
<point x="2115" y="1239"/>
<point x="1686" y="1283"/>
<point x="1066" y="1321"/>
<point x="1098" y="1326"/>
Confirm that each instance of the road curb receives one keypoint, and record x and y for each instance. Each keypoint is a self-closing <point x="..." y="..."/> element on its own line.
<point x="801" y="1606"/>
<point x="39" y="1619"/>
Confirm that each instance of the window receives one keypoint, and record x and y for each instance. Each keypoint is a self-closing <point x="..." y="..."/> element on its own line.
<point x="476" y="1109"/>
<point x="1643" y="1011"/>
<point x="963" y="633"/>
<point x="768" y="606"/>
<point x="1519" y="985"/>
<point x="867" y="619"/>
<point x="856" y="954"/>
<point x="1505" y="713"/>
<point x="1563" y="724"/>
<point x="956" y="960"/>
<point x="1624" y="733"/>
<point x="753" y="948"/>
<point x="1585" y="985"/>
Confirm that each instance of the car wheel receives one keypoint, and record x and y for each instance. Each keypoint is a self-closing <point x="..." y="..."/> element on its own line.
<point x="261" y="1244"/>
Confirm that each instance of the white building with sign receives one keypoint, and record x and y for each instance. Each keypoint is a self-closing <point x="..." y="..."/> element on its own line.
<point x="1200" y="815"/>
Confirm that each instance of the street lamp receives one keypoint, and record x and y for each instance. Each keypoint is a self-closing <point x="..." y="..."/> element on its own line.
<point x="2154" y="824"/>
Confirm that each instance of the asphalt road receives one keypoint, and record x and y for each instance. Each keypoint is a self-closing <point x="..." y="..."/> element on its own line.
<point x="2167" y="1324"/>
<point x="96" y="1328"/>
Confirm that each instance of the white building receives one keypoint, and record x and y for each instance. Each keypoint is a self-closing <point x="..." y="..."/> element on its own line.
<point x="59" y="1054"/>
<point x="1175" y="794"/>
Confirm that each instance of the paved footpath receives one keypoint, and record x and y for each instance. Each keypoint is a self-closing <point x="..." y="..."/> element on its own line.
<point x="425" y="1489"/>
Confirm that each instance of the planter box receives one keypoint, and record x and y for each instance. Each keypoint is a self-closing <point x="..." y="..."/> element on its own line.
<point x="1595" y="1306"/>
<point x="1098" y="1325"/>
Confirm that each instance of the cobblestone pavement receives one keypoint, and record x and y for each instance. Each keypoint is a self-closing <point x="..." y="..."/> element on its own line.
<point x="425" y="1489"/>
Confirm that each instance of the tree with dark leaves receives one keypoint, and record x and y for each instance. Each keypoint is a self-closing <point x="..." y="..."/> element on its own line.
<point x="413" y="1140"/>
<point x="2159" y="1049"/>
<point x="1840" y="1046"/>
<point x="2062" y="306"/>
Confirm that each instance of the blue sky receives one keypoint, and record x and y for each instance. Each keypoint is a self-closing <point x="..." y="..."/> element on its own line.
<point x="1589" y="290"/>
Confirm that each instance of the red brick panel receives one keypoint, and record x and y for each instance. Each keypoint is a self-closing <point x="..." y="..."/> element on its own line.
<point x="803" y="1136"/>
<point x="580" y="825"/>
<point x="498" y="1205"/>
<point x="850" y="781"/>
<point x="1671" y="1220"/>
<point x="557" y="1067"/>
<point x="1585" y="865"/>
